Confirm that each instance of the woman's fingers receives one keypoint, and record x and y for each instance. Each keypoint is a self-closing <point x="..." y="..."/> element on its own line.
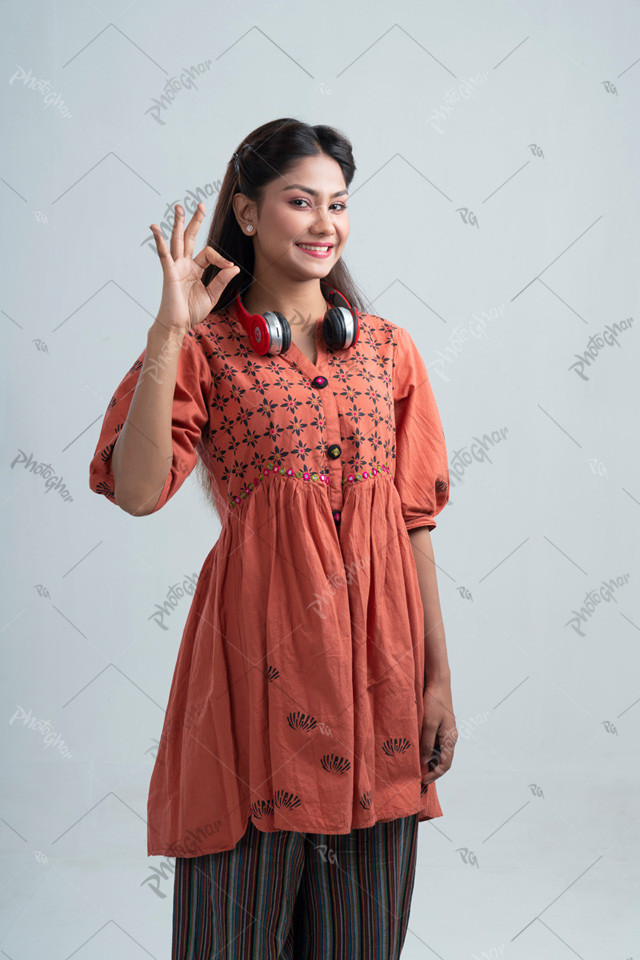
<point x="177" y="234"/>
<point x="182" y="242"/>
<point x="192" y="229"/>
<point x="226" y="273"/>
<point x="161" y="247"/>
<point x="208" y="255"/>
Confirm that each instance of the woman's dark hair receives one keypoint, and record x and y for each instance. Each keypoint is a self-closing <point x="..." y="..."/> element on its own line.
<point x="267" y="153"/>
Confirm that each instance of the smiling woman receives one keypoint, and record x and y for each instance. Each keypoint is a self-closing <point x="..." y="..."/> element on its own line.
<point x="301" y="695"/>
<point x="289" y="192"/>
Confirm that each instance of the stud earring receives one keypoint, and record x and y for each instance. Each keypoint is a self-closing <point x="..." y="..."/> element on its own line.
<point x="249" y="228"/>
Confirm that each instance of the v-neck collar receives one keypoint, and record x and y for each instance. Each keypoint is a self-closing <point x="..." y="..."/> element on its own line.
<point x="295" y="354"/>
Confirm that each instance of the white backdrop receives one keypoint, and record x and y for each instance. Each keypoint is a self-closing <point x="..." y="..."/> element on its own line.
<point x="494" y="214"/>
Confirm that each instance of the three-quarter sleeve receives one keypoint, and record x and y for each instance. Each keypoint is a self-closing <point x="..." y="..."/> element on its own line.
<point x="189" y="416"/>
<point x="421" y="468"/>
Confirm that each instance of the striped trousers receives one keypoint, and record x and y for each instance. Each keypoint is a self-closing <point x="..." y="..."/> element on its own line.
<point x="298" y="896"/>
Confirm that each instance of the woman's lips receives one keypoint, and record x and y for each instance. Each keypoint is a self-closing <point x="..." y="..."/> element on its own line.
<point x="321" y="254"/>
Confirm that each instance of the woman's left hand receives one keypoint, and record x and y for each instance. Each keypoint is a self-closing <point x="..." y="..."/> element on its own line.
<point x="439" y="731"/>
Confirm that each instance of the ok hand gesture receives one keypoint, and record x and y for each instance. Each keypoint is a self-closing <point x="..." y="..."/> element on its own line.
<point x="185" y="300"/>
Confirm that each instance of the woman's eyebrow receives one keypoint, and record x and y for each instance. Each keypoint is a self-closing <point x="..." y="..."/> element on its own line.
<point x="314" y="193"/>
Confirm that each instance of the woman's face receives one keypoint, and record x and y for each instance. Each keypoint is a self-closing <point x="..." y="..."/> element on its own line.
<point x="307" y="206"/>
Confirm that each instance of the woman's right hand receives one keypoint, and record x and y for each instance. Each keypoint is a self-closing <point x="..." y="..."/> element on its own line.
<point x="185" y="300"/>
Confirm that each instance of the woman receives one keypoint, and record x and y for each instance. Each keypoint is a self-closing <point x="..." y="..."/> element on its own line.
<point x="310" y="709"/>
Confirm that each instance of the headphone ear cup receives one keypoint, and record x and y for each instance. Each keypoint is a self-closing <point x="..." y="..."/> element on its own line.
<point x="333" y="328"/>
<point x="279" y="332"/>
<point x="285" y="331"/>
<point x="337" y="327"/>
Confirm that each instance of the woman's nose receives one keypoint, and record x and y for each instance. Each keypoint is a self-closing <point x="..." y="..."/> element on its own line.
<point x="322" y="218"/>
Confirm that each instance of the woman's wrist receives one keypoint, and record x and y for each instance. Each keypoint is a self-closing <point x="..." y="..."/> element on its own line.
<point x="163" y="329"/>
<point x="440" y="679"/>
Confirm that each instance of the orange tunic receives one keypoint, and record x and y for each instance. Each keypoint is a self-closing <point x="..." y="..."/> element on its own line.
<point x="296" y="698"/>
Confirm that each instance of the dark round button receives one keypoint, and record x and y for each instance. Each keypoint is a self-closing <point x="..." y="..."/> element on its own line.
<point x="334" y="451"/>
<point x="336" y="516"/>
<point x="319" y="382"/>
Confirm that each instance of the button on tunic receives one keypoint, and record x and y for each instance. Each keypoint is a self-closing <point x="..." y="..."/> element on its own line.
<point x="297" y="694"/>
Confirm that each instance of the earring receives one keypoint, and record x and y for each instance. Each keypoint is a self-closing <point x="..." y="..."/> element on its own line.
<point x="249" y="228"/>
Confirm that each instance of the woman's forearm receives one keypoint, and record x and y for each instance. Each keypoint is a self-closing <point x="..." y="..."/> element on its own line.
<point x="436" y="663"/>
<point x="143" y="452"/>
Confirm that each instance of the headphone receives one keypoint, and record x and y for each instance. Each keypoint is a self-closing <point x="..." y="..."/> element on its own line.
<point x="270" y="332"/>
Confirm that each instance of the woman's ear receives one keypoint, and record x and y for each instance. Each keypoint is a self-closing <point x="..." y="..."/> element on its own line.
<point x="244" y="209"/>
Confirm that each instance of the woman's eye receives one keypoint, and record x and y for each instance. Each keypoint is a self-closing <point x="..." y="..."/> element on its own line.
<point x="303" y="200"/>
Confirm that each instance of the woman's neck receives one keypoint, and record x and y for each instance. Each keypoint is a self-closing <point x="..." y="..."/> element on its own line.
<point x="301" y="304"/>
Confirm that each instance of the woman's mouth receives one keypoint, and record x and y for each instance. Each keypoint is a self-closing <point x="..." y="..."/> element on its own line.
<point x="316" y="249"/>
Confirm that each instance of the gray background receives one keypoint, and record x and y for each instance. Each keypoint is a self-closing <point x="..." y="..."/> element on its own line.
<point x="494" y="215"/>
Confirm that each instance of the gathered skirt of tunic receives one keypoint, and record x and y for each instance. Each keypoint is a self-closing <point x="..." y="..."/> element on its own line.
<point x="275" y="714"/>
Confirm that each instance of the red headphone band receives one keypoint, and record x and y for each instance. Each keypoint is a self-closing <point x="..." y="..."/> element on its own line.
<point x="333" y="294"/>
